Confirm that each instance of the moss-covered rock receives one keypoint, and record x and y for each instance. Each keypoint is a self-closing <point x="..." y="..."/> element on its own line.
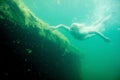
<point x="31" y="50"/>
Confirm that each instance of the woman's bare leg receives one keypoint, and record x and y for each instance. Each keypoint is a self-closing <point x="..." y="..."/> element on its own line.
<point x="98" y="24"/>
<point x="106" y="39"/>
<point x="92" y="33"/>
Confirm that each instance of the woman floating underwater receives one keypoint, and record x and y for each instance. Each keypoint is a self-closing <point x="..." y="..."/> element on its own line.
<point x="82" y="32"/>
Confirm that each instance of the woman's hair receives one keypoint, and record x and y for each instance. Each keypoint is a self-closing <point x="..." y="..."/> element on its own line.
<point x="76" y="26"/>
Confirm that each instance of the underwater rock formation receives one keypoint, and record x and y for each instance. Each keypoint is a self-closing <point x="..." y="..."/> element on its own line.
<point x="31" y="50"/>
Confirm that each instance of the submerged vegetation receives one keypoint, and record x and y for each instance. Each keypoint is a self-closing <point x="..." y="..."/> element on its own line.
<point x="32" y="48"/>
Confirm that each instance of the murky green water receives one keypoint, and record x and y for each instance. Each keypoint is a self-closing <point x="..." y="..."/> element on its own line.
<point x="101" y="60"/>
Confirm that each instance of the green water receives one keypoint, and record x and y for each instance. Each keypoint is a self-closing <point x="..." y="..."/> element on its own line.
<point x="101" y="60"/>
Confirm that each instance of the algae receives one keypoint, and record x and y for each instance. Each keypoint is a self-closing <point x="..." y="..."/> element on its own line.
<point x="25" y="18"/>
<point x="37" y="50"/>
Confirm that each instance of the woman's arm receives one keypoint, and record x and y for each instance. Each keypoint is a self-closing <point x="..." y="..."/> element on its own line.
<point x="62" y="26"/>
